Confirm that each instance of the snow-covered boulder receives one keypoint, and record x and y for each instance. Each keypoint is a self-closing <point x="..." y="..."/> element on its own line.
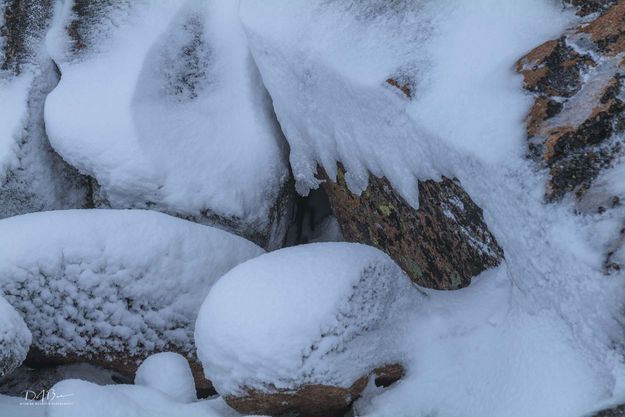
<point x="112" y="286"/>
<point x="32" y="176"/>
<point x="169" y="373"/>
<point x="15" y="338"/>
<point x="346" y="79"/>
<point x="175" y="117"/>
<point x="301" y="329"/>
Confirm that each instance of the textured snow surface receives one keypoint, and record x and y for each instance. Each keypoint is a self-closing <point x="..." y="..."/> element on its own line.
<point x="320" y="313"/>
<point x="175" y="116"/>
<point x="15" y="338"/>
<point x="169" y="373"/>
<point x="112" y="280"/>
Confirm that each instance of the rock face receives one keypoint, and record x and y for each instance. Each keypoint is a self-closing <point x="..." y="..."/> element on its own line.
<point x="120" y="284"/>
<point x="15" y="338"/>
<point x="576" y="127"/>
<point x="313" y="400"/>
<point x="586" y="7"/>
<point x="301" y="330"/>
<point x="32" y="176"/>
<point x="441" y="245"/>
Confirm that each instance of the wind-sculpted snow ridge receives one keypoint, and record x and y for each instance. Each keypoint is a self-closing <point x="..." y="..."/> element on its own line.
<point x="321" y="313"/>
<point x="15" y="338"/>
<point x="32" y="176"/>
<point x="175" y="117"/>
<point x="99" y="282"/>
<point x="418" y="89"/>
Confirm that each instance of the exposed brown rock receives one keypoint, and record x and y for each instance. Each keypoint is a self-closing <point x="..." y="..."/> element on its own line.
<point x="578" y="110"/>
<point x="553" y="69"/>
<point x="124" y="364"/>
<point x="441" y="245"/>
<point x="311" y="400"/>
<point x="586" y="7"/>
<point x="608" y="31"/>
<point x="403" y="87"/>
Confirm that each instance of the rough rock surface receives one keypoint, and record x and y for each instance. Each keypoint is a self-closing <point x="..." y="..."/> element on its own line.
<point x="313" y="400"/>
<point x="32" y="176"/>
<point x="441" y="245"/>
<point x="586" y="7"/>
<point x="618" y="411"/>
<point x="576" y="127"/>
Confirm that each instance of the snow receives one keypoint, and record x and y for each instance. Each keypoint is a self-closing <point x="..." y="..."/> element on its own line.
<point x="330" y="60"/>
<point x="114" y="280"/>
<point x="538" y="335"/>
<point x="15" y="338"/>
<point x="87" y="399"/>
<point x="310" y="314"/>
<point x="169" y="373"/>
<point x="175" y="117"/>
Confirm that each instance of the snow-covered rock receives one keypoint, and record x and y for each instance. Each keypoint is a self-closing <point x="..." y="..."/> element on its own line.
<point x="300" y="329"/>
<point x="15" y="338"/>
<point x="175" y="118"/>
<point x="32" y="176"/>
<point x="343" y="77"/>
<point x="112" y="286"/>
<point x="169" y="373"/>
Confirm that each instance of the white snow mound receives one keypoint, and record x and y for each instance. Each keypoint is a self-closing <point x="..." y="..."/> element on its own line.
<point x="169" y="373"/>
<point x="320" y="313"/>
<point x="80" y="398"/>
<point x="175" y="116"/>
<point x="15" y="338"/>
<point x="112" y="280"/>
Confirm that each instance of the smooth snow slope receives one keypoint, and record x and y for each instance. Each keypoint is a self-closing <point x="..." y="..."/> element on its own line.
<point x="168" y="112"/>
<point x="127" y="281"/>
<point x="535" y="337"/>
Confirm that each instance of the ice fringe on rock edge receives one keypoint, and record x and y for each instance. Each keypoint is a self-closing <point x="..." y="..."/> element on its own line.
<point x="128" y="281"/>
<point x="169" y="373"/>
<point x="175" y="117"/>
<point x="15" y="338"/>
<point x="322" y="313"/>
